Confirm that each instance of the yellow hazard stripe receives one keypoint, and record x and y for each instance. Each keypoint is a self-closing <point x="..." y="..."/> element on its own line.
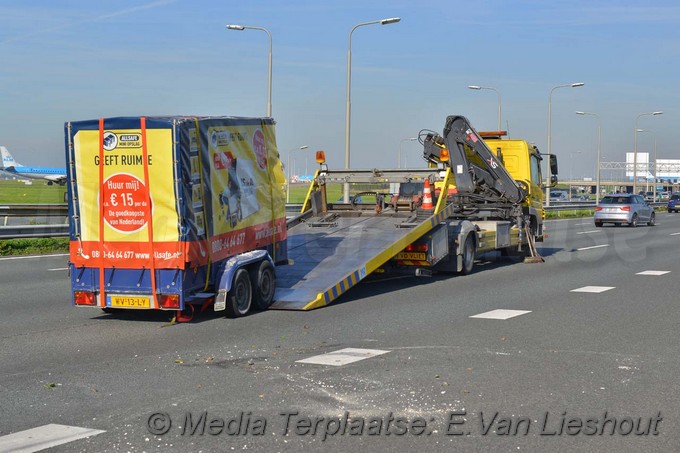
<point x="334" y="292"/>
<point x="413" y="263"/>
<point x="355" y="277"/>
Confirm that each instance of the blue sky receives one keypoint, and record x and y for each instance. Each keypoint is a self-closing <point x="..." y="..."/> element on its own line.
<point x="75" y="60"/>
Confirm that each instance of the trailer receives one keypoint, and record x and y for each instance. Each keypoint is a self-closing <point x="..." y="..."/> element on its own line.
<point x="171" y="213"/>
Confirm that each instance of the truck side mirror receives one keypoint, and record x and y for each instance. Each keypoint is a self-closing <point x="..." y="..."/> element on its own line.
<point x="553" y="180"/>
<point x="553" y="165"/>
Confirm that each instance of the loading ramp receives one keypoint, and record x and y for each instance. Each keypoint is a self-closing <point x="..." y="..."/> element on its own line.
<point x="332" y="251"/>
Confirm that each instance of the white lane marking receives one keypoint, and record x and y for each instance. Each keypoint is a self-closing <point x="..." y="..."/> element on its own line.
<point x="653" y="273"/>
<point x="500" y="314"/>
<point x="59" y="269"/>
<point x="583" y="223"/>
<point x="590" y="231"/>
<point x="44" y="437"/>
<point x="592" y="289"/>
<point x="593" y="247"/>
<point x="343" y="356"/>
<point x="30" y="256"/>
<point x="674" y="234"/>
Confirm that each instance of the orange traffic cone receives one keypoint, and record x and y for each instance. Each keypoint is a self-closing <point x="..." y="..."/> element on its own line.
<point x="427" y="196"/>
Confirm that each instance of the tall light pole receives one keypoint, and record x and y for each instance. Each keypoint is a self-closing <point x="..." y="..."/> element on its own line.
<point x="269" y="83"/>
<point x="570" y="85"/>
<point x="477" y="87"/>
<point x="289" y="174"/>
<point x="599" y="143"/>
<point x="635" y="151"/>
<point x="571" y="169"/>
<point x="411" y="139"/>
<point x="348" y="106"/>
<point x="655" y="167"/>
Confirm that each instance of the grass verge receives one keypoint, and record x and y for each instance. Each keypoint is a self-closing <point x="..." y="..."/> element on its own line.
<point x="33" y="246"/>
<point x="569" y="214"/>
<point x="33" y="192"/>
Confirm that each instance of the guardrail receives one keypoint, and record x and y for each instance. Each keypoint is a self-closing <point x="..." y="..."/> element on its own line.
<point x="31" y="211"/>
<point x="34" y="210"/>
<point x="61" y="210"/>
<point x="556" y="206"/>
<point x="33" y="231"/>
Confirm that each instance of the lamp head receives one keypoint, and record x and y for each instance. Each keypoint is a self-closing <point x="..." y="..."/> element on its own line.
<point x="236" y="27"/>
<point x="391" y="20"/>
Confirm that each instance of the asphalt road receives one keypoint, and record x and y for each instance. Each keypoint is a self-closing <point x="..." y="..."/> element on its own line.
<point x="572" y="364"/>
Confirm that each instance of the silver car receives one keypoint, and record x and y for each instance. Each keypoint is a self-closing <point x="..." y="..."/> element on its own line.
<point x="624" y="208"/>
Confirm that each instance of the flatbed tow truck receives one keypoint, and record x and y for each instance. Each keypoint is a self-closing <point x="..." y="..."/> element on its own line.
<point x="478" y="207"/>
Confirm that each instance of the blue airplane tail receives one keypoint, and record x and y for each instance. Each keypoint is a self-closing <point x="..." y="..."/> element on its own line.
<point x="7" y="159"/>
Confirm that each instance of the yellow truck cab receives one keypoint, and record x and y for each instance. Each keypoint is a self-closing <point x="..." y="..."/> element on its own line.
<point x="523" y="162"/>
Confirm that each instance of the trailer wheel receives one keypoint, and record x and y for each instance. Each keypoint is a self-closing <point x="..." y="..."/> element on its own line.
<point x="263" y="280"/>
<point x="468" y="253"/>
<point x="240" y="296"/>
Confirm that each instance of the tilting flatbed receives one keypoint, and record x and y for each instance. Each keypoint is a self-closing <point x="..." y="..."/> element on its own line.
<point x="332" y="250"/>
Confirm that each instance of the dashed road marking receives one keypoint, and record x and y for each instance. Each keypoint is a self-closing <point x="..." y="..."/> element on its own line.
<point x="343" y="356"/>
<point x="500" y="314"/>
<point x="593" y="247"/>
<point x="44" y="437"/>
<point x="674" y="234"/>
<point x="653" y="273"/>
<point x="59" y="269"/>
<point x="590" y="231"/>
<point x="592" y="289"/>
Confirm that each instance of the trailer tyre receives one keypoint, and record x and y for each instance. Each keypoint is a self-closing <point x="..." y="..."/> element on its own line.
<point x="468" y="253"/>
<point x="263" y="280"/>
<point x="240" y="296"/>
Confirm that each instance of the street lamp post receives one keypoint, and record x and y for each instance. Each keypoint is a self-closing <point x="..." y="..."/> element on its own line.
<point x="289" y="174"/>
<point x="655" y="166"/>
<point x="571" y="85"/>
<point x="269" y="83"/>
<point x="599" y="143"/>
<point x="348" y="107"/>
<point x="411" y="139"/>
<point x="635" y="150"/>
<point x="571" y="169"/>
<point x="477" y="87"/>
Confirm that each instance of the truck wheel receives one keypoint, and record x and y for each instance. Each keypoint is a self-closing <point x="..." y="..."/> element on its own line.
<point x="263" y="280"/>
<point x="468" y="254"/>
<point x="240" y="296"/>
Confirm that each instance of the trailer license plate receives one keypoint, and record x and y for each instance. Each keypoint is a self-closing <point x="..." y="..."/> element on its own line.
<point x="130" y="302"/>
<point x="411" y="256"/>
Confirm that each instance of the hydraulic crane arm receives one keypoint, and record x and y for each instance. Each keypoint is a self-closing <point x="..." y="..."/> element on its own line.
<point x="476" y="169"/>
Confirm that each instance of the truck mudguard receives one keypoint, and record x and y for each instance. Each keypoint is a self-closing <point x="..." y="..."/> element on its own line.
<point x="226" y="273"/>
